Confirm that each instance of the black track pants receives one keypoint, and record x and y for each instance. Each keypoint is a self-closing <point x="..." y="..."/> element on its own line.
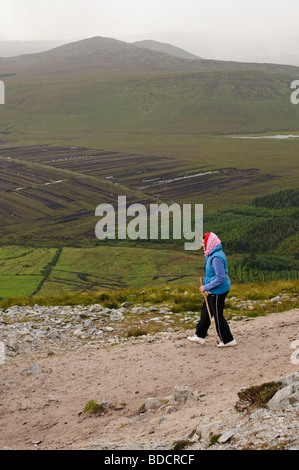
<point x="216" y="304"/>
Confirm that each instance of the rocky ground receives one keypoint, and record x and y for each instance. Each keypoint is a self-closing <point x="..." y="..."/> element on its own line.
<point x="154" y="389"/>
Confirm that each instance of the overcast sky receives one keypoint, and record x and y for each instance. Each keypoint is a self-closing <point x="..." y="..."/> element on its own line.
<point x="141" y="19"/>
<point x="64" y="19"/>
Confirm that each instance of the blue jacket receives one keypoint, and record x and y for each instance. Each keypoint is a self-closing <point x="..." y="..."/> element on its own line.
<point x="216" y="278"/>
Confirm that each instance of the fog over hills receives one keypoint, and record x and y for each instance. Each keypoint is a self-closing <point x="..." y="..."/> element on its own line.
<point x="15" y="48"/>
<point x="98" y="53"/>
<point x="229" y="46"/>
<point x="191" y="45"/>
<point x="167" y="48"/>
<point x="102" y="54"/>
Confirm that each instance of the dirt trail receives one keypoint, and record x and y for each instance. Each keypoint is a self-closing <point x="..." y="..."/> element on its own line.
<point x="45" y="410"/>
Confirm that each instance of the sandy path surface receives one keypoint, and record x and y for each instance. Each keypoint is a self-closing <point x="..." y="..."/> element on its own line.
<point x="45" y="410"/>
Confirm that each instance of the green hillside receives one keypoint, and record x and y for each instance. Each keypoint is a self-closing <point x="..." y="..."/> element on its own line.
<point x="261" y="241"/>
<point x="203" y="103"/>
<point x="89" y="121"/>
<point x="103" y="86"/>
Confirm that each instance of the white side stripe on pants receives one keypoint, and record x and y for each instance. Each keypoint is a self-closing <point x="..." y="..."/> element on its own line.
<point x="217" y="319"/>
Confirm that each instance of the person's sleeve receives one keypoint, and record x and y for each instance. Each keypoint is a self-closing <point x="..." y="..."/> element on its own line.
<point x="218" y="266"/>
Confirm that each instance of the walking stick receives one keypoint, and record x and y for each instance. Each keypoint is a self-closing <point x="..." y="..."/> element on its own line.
<point x="209" y="312"/>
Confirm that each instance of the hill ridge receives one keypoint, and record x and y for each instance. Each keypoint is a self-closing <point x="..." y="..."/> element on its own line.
<point x="98" y="52"/>
<point x="167" y="48"/>
<point x="109" y="54"/>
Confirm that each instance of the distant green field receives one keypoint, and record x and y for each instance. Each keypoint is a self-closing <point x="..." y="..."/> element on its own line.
<point x="107" y="267"/>
<point x="27" y="271"/>
<point x="22" y="269"/>
<point x="260" y="239"/>
<point x="18" y="285"/>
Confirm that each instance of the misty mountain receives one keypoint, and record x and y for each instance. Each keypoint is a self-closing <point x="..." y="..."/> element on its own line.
<point x="229" y="46"/>
<point x="167" y="48"/>
<point x="100" y="54"/>
<point x="15" y="48"/>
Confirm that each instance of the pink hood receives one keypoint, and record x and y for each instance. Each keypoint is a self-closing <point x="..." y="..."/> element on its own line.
<point x="212" y="242"/>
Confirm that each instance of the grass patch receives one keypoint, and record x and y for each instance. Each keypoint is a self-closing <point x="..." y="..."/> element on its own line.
<point x="214" y="440"/>
<point x="136" y="332"/>
<point x="257" y="396"/>
<point x="93" y="408"/>
<point x="263" y="290"/>
<point x="180" y="445"/>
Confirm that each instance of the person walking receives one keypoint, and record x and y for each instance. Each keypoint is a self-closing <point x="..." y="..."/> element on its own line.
<point x="217" y="284"/>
